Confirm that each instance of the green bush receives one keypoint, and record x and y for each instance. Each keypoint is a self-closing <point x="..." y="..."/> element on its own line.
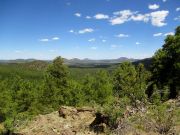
<point x="162" y="118"/>
<point x="115" y="110"/>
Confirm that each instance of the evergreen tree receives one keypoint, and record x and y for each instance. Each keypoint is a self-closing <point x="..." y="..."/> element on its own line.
<point x="141" y="82"/>
<point x="88" y="89"/>
<point x="102" y="87"/>
<point x="131" y="82"/>
<point x="55" y="90"/>
<point x="98" y="88"/>
<point x="77" y="96"/>
<point x="124" y="79"/>
<point x="166" y="64"/>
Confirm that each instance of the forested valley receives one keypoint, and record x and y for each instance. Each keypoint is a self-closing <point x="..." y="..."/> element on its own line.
<point x="151" y="92"/>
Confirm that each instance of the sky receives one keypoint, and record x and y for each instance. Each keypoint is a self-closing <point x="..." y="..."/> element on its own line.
<point x="94" y="29"/>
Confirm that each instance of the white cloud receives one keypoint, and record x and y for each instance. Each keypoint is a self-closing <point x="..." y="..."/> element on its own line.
<point x="78" y="14"/>
<point x="88" y="17"/>
<point x="177" y="18"/>
<point x="71" y="31"/>
<point x="140" y="17"/>
<point x="93" y="48"/>
<point x="55" y="38"/>
<point x="86" y="30"/>
<point x="48" y="39"/>
<point x="103" y="40"/>
<point x="101" y="16"/>
<point x="161" y="34"/>
<point x="178" y="9"/>
<point x="92" y="40"/>
<point x="169" y="33"/>
<point x="164" y="0"/>
<point x="121" y="17"/>
<point x="122" y="35"/>
<point x="157" y="34"/>
<point x="153" y="6"/>
<point x="44" y="40"/>
<point x="137" y="43"/>
<point x="158" y="18"/>
<point x="124" y="13"/>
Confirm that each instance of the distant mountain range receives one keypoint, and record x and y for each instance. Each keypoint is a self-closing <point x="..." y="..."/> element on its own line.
<point x="76" y="61"/>
<point x="98" y="62"/>
<point x="17" y="61"/>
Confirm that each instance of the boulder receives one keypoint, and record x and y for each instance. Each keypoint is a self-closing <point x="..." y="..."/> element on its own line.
<point x="66" y="111"/>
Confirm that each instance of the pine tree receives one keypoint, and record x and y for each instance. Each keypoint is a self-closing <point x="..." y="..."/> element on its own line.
<point x="131" y="82"/>
<point x="98" y="89"/>
<point x="103" y="87"/>
<point x="166" y="64"/>
<point x="55" y="90"/>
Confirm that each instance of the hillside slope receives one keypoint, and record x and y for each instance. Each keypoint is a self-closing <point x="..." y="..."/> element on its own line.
<point x="86" y="121"/>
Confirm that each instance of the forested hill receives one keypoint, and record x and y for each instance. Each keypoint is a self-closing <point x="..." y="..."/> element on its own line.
<point x="39" y="65"/>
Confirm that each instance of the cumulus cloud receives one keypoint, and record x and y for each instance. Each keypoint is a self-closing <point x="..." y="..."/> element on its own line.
<point x="78" y="14"/>
<point x="121" y="17"/>
<point x="92" y="40"/>
<point x="157" y="34"/>
<point x="164" y="0"/>
<point x="158" y="18"/>
<point x="44" y="40"/>
<point x="153" y="6"/>
<point x="169" y="33"/>
<point x="122" y="35"/>
<point x="178" y="9"/>
<point x="86" y="30"/>
<point x="101" y="16"/>
<point x="55" y="38"/>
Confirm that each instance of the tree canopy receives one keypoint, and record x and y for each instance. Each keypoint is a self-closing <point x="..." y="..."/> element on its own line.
<point x="166" y="64"/>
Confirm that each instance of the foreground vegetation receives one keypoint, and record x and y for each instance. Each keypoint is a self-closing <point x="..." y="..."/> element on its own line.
<point x="112" y="92"/>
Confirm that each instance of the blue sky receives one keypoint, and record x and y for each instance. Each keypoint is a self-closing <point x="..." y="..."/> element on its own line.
<point x="95" y="29"/>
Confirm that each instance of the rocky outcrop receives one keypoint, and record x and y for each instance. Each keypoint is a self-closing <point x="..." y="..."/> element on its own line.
<point x="87" y="121"/>
<point x="66" y="111"/>
<point x="66" y="121"/>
